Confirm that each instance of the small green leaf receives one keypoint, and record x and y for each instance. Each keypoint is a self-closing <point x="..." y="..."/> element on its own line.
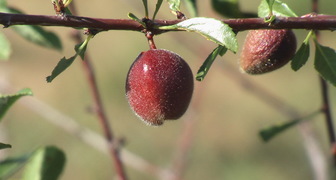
<point x="5" y="48"/>
<point x="270" y="132"/>
<point x="204" y="69"/>
<point x="279" y="9"/>
<point x="5" y="146"/>
<point x="301" y="56"/>
<point x="191" y="7"/>
<point x="212" y="29"/>
<point x="62" y="65"/>
<point x="144" y="2"/>
<point x="157" y="8"/>
<point x="46" y="164"/>
<point x="325" y="62"/>
<point x="6" y="101"/>
<point x="135" y="18"/>
<point x="12" y="165"/>
<point x="174" y="5"/>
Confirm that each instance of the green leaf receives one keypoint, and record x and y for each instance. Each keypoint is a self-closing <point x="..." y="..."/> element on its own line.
<point x="64" y="63"/>
<point x="11" y="165"/>
<point x="279" y="9"/>
<point x="135" y="18"/>
<point x="227" y="8"/>
<point x="6" y="101"/>
<point x="174" y="5"/>
<point x="301" y="56"/>
<point x="5" y="48"/>
<point x="204" y="69"/>
<point x="191" y="7"/>
<point x="212" y="29"/>
<point x="158" y="5"/>
<point x="37" y="34"/>
<point x="270" y="132"/>
<point x="5" y="146"/>
<point x="325" y="62"/>
<point x="144" y="2"/>
<point x="46" y="164"/>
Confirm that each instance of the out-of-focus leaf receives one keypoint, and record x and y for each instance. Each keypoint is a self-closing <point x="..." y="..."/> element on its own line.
<point x="36" y="34"/>
<point x="279" y="9"/>
<point x="325" y="62"/>
<point x="204" y="69"/>
<point x="11" y="165"/>
<point x="6" y="101"/>
<point x="212" y="29"/>
<point x="157" y="8"/>
<point x="5" y="48"/>
<point x="5" y="146"/>
<point x="268" y="133"/>
<point x="174" y="5"/>
<point x="230" y="8"/>
<point x="301" y="56"/>
<point x="64" y="63"/>
<point x="191" y="7"/>
<point x="46" y="164"/>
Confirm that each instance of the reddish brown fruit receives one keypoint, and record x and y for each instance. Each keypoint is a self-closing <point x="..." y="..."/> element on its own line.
<point x="159" y="86"/>
<point x="267" y="50"/>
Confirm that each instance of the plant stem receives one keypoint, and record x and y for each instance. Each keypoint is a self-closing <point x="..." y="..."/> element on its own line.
<point x="319" y="22"/>
<point x="99" y="109"/>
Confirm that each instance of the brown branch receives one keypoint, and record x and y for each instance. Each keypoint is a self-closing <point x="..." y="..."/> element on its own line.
<point x="318" y="22"/>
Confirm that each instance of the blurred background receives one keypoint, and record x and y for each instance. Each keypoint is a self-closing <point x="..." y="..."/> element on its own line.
<point x="219" y="132"/>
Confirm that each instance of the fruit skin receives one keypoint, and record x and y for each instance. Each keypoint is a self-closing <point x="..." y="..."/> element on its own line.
<point x="159" y="86"/>
<point x="267" y="50"/>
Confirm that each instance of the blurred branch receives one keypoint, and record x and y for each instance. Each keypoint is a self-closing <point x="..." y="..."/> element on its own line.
<point x="318" y="21"/>
<point x="84" y="134"/>
<point x="99" y="108"/>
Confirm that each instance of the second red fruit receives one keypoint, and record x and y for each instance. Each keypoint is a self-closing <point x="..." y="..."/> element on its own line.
<point x="159" y="86"/>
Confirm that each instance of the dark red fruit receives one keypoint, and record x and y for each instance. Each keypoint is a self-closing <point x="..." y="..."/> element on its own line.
<point x="267" y="50"/>
<point x="159" y="86"/>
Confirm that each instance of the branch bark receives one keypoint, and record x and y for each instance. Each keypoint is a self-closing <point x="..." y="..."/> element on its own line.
<point x="317" y="22"/>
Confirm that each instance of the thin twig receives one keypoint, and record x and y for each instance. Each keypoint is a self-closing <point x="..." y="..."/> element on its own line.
<point x="320" y="22"/>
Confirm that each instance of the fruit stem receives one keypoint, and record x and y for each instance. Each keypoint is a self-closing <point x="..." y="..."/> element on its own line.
<point x="149" y="36"/>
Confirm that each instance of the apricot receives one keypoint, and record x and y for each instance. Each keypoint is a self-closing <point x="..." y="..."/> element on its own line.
<point x="267" y="50"/>
<point x="159" y="86"/>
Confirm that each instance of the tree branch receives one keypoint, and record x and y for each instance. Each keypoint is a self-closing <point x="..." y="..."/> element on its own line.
<point x="318" y="22"/>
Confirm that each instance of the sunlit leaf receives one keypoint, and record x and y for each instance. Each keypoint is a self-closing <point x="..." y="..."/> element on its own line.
<point x="270" y="132"/>
<point x="204" y="69"/>
<point x="10" y="166"/>
<point x="191" y="7"/>
<point x="5" y="146"/>
<point x="279" y="9"/>
<point x="5" y="48"/>
<point x="6" y="101"/>
<point x="46" y="164"/>
<point x="174" y="5"/>
<point x="212" y="29"/>
<point x="325" y="62"/>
